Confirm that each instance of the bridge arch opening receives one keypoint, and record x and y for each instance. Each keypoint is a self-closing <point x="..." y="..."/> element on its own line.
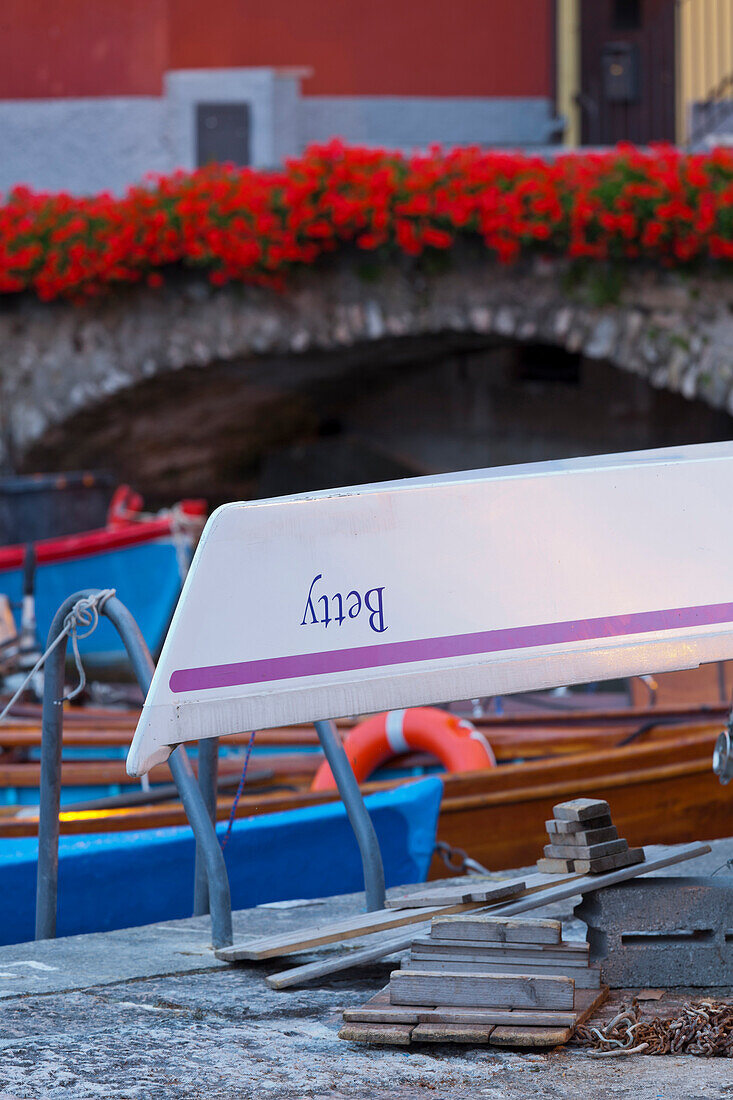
<point x="373" y="411"/>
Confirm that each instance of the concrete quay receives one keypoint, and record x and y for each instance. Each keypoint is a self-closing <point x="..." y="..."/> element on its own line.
<point x="149" y="1014"/>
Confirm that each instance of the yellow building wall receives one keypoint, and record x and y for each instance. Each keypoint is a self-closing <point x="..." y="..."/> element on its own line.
<point x="567" y="36"/>
<point x="704" y="55"/>
<point x="704" y="45"/>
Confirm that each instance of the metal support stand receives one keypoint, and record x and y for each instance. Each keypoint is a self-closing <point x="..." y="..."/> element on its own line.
<point x="361" y="823"/>
<point x="348" y="788"/>
<point x="208" y="771"/>
<point x="50" y="787"/>
<point x="211" y="889"/>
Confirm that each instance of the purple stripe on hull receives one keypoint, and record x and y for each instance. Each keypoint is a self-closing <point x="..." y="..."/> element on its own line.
<point x="243" y="673"/>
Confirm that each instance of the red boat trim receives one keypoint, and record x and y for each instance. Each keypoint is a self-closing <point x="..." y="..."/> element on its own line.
<point x="50" y="551"/>
<point x="244" y="673"/>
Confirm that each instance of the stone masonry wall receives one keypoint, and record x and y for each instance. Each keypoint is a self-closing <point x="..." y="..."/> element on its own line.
<point x="66" y="369"/>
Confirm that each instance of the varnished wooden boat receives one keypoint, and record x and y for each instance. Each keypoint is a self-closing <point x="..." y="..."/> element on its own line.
<point x="661" y="789"/>
<point x="651" y="760"/>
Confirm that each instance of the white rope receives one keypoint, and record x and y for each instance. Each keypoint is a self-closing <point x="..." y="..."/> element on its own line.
<point x="84" y="613"/>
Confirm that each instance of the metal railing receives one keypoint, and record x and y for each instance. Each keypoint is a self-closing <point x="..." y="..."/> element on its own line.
<point x="207" y="844"/>
<point x="211" y="884"/>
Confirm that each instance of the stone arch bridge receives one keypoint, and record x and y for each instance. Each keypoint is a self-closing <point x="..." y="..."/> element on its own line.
<point x="357" y="374"/>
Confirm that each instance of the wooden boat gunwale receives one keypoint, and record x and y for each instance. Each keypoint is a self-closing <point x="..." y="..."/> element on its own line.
<point x="476" y="804"/>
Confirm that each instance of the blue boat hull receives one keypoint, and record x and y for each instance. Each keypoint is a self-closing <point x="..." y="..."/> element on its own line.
<point x="147" y="580"/>
<point x="118" y="880"/>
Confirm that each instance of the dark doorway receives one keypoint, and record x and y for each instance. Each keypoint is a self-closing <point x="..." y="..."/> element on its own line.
<point x="627" y="71"/>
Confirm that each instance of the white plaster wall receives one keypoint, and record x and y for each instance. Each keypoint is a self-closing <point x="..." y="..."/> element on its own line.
<point x="96" y="144"/>
<point x="404" y="122"/>
<point x="81" y="145"/>
<point x="108" y="143"/>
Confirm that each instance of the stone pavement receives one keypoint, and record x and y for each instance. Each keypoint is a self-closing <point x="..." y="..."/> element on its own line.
<point x="149" y="1014"/>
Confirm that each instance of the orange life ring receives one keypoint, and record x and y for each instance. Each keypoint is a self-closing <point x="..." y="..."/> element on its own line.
<point x="455" y="741"/>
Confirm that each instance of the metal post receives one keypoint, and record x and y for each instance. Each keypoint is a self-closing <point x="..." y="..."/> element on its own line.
<point x="361" y="823"/>
<point x="208" y="771"/>
<point x="50" y="785"/>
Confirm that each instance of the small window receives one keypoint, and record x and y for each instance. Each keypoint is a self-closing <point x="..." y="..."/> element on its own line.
<point x="627" y="15"/>
<point x="222" y="133"/>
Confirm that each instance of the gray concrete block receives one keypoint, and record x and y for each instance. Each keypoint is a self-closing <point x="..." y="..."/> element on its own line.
<point x="665" y="931"/>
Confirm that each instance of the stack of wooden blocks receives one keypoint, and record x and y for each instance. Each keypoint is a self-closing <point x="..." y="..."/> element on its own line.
<point x="478" y="976"/>
<point x="583" y="839"/>
<point x="480" y="944"/>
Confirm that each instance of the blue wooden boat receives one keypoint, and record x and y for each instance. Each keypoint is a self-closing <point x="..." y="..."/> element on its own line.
<point x="143" y="557"/>
<point x="118" y="880"/>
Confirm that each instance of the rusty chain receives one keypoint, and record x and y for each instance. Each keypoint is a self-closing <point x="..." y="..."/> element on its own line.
<point x="703" y="1028"/>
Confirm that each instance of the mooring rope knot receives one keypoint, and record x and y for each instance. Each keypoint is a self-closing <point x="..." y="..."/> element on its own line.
<point x="84" y="613"/>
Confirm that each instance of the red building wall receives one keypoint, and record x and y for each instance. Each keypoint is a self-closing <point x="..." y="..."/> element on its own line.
<point x="82" y="47"/>
<point x="381" y="47"/>
<point x="384" y="47"/>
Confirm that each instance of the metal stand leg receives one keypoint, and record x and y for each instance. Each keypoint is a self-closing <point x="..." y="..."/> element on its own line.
<point x="218" y="894"/>
<point x="50" y="786"/>
<point x="361" y="823"/>
<point x="49" y="800"/>
<point x="208" y="760"/>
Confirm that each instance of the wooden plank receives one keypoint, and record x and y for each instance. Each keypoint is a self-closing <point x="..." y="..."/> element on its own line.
<point x="569" y="828"/>
<point x="583" y="851"/>
<point x="551" y="866"/>
<point x="493" y="960"/>
<point x="608" y="863"/>
<point x="484" y="1017"/>
<point x="584" y="837"/>
<point x="362" y="924"/>
<point x="529" y="1036"/>
<point x="586" y="1003"/>
<point x="378" y="1010"/>
<point x="551" y="1029"/>
<point x="450" y="1033"/>
<point x="585" y="977"/>
<point x="297" y="975"/>
<point x="435" y="945"/>
<point x="392" y="1034"/>
<point x="460" y="896"/>
<point x="539" y="896"/>
<point x="415" y="987"/>
<point x="532" y="883"/>
<point x="463" y="893"/>
<point x="572" y="962"/>
<point x="581" y="809"/>
<point x="482" y="926"/>
<point x="561" y="827"/>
